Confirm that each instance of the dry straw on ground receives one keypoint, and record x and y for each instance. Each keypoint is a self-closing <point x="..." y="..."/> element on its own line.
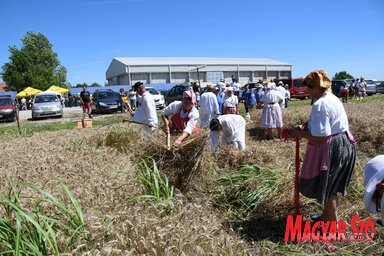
<point x="100" y="173"/>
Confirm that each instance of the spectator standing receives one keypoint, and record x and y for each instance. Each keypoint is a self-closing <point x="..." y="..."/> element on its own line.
<point x="232" y="128"/>
<point x="230" y="102"/>
<point x="196" y="90"/>
<point x="280" y="88"/>
<point x="146" y="113"/>
<point x="132" y="99"/>
<point x="330" y="155"/>
<point x="344" y="90"/>
<point x="209" y="107"/>
<point x="86" y="100"/>
<point x="271" y="116"/>
<point x="221" y="83"/>
<point x="244" y="97"/>
<point x="219" y="98"/>
<point x="250" y="99"/>
<point x="23" y="104"/>
<point x="259" y="93"/>
<point x="362" y="88"/>
<point x="236" y="87"/>
<point x="356" y="86"/>
<point x="287" y="95"/>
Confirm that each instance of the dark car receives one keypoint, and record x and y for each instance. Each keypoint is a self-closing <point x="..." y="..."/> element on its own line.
<point x="380" y="88"/>
<point x="7" y="108"/>
<point x="176" y="93"/>
<point x="106" y="101"/>
<point x="336" y="84"/>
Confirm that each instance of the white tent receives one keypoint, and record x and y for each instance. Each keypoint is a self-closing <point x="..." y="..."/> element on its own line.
<point x="57" y="93"/>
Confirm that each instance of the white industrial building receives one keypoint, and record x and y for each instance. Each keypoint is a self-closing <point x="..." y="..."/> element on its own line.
<point x="161" y="70"/>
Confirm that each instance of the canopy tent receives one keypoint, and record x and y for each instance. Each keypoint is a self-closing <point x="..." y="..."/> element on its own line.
<point x="28" y="92"/>
<point x="58" y="89"/>
<point x="57" y="93"/>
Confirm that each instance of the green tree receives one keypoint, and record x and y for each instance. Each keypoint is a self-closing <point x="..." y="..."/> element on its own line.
<point x="343" y="75"/>
<point x="35" y="64"/>
<point x="95" y="85"/>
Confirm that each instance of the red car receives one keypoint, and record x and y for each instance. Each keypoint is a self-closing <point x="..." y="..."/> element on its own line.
<point x="296" y="87"/>
<point x="7" y="108"/>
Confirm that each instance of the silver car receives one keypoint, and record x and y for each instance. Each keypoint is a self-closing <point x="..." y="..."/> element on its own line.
<point x="46" y="104"/>
<point x="371" y="87"/>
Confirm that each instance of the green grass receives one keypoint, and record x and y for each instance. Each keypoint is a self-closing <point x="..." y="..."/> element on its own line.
<point x="28" y="128"/>
<point x="243" y="191"/>
<point x="49" y="226"/>
<point x="154" y="186"/>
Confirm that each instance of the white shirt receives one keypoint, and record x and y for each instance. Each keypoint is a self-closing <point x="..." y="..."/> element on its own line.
<point x="193" y="115"/>
<point x="236" y="86"/>
<point x="208" y="104"/>
<point x="146" y="112"/>
<point x="230" y="102"/>
<point x="271" y="96"/>
<point x="362" y="86"/>
<point x="233" y="128"/>
<point x="220" y="85"/>
<point x="282" y="90"/>
<point x="328" y="116"/>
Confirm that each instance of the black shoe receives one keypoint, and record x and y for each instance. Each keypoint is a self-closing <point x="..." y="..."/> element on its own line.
<point x="90" y="116"/>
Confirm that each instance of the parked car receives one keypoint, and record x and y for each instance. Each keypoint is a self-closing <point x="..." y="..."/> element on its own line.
<point x="380" y="88"/>
<point x="296" y="87"/>
<point x="159" y="98"/>
<point x="176" y="93"/>
<point x="7" y="108"/>
<point x="371" y="87"/>
<point x="106" y="101"/>
<point x="336" y="84"/>
<point x="46" y="104"/>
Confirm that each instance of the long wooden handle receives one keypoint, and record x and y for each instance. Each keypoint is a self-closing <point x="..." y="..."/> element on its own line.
<point x="168" y="140"/>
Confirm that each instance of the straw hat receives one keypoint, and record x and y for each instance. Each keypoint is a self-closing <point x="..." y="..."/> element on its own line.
<point x="373" y="174"/>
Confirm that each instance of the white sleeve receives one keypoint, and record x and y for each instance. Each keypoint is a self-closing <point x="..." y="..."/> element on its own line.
<point x="320" y="121"/>
<point x="192" y="122"/>
<point x="151" y="107"/>
<point x="171" y="108"/>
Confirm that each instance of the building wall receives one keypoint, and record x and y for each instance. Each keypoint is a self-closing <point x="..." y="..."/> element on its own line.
<point x="159" y="74"/>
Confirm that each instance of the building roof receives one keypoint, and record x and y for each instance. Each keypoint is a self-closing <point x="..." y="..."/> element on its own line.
<point x="196" y="61"/>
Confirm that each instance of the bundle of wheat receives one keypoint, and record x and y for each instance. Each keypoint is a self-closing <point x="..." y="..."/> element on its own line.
<point x="180" y="163"/>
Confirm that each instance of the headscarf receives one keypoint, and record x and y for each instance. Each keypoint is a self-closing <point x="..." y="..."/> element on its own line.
<point x="190" y="94"/>
<point x="318" y="78"/>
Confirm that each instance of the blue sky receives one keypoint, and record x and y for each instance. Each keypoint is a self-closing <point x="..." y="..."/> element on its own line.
<point x="334" y="35"/>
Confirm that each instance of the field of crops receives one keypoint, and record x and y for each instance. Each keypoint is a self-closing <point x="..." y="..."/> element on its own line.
<point x="109" y="191"/>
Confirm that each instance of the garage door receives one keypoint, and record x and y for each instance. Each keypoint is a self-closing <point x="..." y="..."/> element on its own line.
<point x="180" y="77"/>
<point x="245" y="77"/>
<point x="141" y="77"/>
<point x="159" y="78"/>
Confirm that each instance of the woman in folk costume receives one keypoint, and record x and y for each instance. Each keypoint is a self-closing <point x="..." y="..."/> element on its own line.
<point x="230" y="102"/>
<point x="181" y="117"/>
<point x="330" y="156"/>
<point x="271" y="116"/>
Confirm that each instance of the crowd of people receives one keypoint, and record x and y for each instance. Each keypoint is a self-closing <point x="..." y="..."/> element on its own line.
<point x="330" y="154"/>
